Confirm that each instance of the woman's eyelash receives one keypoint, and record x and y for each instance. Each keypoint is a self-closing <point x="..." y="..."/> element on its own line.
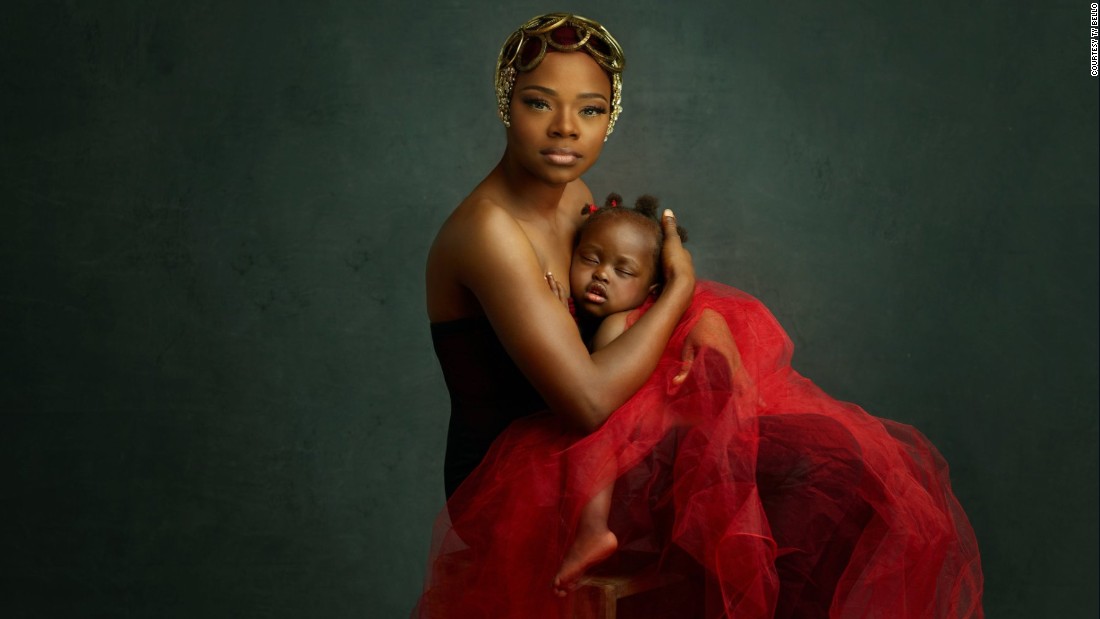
<point x="536" y="102"/>
<point x="543" y="104"/>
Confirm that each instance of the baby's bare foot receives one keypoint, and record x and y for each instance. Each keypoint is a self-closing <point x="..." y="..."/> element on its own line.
<point x="587" y="551"/>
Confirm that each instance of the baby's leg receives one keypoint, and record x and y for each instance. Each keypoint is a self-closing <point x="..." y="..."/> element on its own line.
<point x="594" y="542"/>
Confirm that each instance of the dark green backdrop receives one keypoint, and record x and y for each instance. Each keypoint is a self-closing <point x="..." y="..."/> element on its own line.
<point x="218" y="392"/>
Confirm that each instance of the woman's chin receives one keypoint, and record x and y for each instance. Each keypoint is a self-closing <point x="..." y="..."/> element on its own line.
<point x="559" y="175"/>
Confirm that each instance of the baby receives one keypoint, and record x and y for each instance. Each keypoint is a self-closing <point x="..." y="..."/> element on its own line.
<point x="615" y="268"/>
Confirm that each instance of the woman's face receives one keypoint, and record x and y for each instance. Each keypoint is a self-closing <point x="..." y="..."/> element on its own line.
<point x="613" y="268"/>
<point x="559" y="115"/>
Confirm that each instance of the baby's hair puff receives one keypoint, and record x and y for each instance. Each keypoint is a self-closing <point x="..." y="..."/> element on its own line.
<point x="646" y="206"/>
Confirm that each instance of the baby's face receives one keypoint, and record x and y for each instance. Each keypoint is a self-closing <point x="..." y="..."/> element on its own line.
<point x="613" y="268"/>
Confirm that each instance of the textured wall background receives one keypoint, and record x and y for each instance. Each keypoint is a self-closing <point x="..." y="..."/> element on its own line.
<point x="218" y="392"/>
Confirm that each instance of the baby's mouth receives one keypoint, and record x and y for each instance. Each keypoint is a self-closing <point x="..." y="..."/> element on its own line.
<point x="596" y="293"/>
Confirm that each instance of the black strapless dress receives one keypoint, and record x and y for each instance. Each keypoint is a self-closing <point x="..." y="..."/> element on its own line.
<point x="487" y="390"/>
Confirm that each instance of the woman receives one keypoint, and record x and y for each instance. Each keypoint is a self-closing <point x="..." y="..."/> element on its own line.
<point x="507" y="346"/>
<point x="727" y="464"/>
<point x="486" y="268"/>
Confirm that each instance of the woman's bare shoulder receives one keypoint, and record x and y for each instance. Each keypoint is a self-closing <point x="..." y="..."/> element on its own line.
<point x="578" y="191"/>
<point x="472" y="219"/>
<point x="481" y="230"/>
<point x="465" y="243"/>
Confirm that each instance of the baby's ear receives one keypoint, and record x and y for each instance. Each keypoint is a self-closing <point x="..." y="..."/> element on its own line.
<point x="655" y="290"/>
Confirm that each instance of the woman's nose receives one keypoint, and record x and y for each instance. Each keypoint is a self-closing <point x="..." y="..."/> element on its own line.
<point x="564" y="125"/>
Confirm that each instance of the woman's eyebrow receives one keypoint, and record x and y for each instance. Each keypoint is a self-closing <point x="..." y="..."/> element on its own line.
<point x="554" y="93"/>
<point x="542" y="89"/>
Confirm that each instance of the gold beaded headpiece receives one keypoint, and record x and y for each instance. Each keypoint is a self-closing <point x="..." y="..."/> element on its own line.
<point x="591" y="38"/>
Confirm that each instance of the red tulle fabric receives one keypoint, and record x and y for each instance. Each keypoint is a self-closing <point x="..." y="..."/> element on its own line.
<point x="778" y="500"/>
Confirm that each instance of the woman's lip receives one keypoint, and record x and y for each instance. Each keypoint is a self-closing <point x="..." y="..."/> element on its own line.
<point x="560" y="156"/>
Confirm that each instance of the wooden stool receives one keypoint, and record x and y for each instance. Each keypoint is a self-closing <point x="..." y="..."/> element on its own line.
<point x="642" y="594"/>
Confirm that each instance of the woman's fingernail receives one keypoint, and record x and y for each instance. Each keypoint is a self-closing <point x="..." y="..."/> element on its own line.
<point x="668" y="213"/>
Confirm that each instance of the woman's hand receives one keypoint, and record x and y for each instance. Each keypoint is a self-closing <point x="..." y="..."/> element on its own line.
<point x="711" y="340"/>
<point x="676" y="262"/>
<point x="710" y="331"/>
<point x="557" y="289"/>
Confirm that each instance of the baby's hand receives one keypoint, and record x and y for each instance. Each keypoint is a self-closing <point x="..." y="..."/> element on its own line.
<point x="557" y="289"/>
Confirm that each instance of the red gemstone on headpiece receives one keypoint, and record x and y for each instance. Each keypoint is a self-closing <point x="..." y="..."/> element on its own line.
<point x="565" y="35"/>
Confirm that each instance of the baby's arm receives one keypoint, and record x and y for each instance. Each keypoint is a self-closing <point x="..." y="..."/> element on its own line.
<point x="611" y="328"/>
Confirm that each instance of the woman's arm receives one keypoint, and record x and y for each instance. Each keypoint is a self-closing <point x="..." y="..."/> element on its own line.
<point x="494" y="259"/>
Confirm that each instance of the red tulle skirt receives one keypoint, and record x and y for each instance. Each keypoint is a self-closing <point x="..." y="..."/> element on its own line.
<point x="771" y="496"/>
